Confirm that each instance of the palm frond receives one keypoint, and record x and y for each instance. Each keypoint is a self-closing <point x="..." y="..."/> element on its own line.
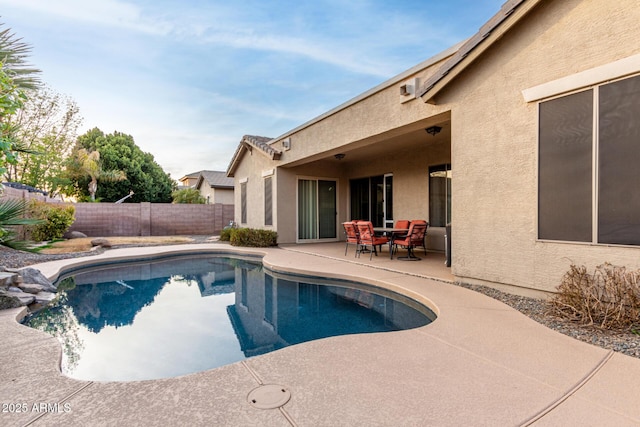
<point x="12" y="212"/>
<point x="13" y="56"/>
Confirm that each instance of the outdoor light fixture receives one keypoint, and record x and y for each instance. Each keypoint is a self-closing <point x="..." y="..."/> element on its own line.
<point x="433" y="130"/>
<point x="339" y="156"/>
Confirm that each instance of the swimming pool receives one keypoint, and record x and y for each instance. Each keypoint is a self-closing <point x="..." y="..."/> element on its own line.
<point x="180" y="315"/>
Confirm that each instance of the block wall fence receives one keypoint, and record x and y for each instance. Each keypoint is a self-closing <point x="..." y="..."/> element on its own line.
<point x="140" y="219"/>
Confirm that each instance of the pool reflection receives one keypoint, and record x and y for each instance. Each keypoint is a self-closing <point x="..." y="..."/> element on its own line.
<point x="172" y="319"/>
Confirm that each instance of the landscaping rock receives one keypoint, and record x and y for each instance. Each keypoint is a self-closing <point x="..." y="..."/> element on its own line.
<point x="101" y="242"/>
<point x="74" y="235"/>
<point x="31" y="275"/>
<point x="44" y="297"/>
<point x="8" y="301"/>
<point x="31" y="288"/>
<point x="8" y="279"/>
<point x="24" y="298"/>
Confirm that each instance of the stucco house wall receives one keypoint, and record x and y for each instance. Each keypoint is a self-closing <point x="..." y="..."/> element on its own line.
<point x="494" y="148"/>
<point x="250" y="171"/>
<point x="217" y="195"/>
<point x="490" y="137"/>
<point x="371" y="117"/>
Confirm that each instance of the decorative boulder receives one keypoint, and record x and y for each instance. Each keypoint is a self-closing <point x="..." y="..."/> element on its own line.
<point x="31" y="275"/>
<point x="8" y="301"/>
<point x="101" y="242"/>
<point x="22" y="297"/>
<point x="31" y="288"/>
<point x="8" y="278"/>
<point x="44" y="297"/>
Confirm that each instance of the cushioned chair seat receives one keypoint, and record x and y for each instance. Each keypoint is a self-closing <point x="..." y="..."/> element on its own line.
<point x="368" y="238"/>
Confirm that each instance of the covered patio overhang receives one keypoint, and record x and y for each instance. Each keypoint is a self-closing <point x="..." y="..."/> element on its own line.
<point x="410" y="138"/>
<point x="397" y="164"/>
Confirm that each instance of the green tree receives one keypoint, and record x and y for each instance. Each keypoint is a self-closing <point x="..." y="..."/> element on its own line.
<point x="46" y="125"/>
<point x="16" y="79"/>
<point x="86" y="164"/>
<point x="188" y="195"/>
<point x="118" y="151"/>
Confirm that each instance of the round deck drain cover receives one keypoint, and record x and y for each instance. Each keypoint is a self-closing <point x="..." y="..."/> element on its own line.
<point x="268" y="396"/>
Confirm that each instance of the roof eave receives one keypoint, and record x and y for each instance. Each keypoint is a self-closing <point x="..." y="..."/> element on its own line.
<point x="509" y="15"/>
<point x="199" y="182"/>
<point x="248" y="143"/>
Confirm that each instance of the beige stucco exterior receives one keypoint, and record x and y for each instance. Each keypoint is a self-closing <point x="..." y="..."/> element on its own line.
<point x="494" y="151"/>
<point x="251" y="171"/>
<point x="489" y="135"/>
<point x="217" y="195"/>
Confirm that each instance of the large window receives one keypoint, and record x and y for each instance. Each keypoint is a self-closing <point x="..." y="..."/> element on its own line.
<point x="565" y="169"/>
<point x="589" y="152"/>
<point x="439" y="195"/>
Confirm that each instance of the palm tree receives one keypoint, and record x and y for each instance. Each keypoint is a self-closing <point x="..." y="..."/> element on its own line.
<point x="13" y="56"/>
<point x="89" y="165"/>
<point x="12" y="212"/>
<point x="16" y="79"/>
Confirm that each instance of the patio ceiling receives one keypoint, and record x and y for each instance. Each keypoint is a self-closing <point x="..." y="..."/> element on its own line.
<point x="396" y="143"/>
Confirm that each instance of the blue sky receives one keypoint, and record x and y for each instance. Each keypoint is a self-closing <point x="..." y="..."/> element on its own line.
<point x="187" y="79"/>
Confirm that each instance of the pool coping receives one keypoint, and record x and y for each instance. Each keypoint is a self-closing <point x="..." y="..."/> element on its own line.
<point x="479" y="362"/>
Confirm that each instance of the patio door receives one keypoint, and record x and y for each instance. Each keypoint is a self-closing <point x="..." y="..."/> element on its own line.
<point x="317" y="209"/>
<point x="372" y="200"/>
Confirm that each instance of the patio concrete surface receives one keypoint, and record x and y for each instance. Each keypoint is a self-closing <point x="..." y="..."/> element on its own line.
<point x="479" y="363"/>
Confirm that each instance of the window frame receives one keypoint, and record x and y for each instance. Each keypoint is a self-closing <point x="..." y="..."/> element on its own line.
<point x="446" y="168"/>
<point x="268" y="201"/>
<point x="596" y="166"/>
<point x="243" y="202"/>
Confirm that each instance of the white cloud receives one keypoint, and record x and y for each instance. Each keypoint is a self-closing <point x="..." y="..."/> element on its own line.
<point x="102" y="12"/>
<point x="187" y="79"/>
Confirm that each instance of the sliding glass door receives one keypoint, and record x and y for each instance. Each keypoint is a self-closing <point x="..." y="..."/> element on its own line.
<point x="317" y="209"/>
<point x="372" y="200"/>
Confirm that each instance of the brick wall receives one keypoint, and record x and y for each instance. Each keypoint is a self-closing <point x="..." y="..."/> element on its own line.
<point x="14" y="193"/>
<point x="140" y="219"/>
<point x="150" y="219"/>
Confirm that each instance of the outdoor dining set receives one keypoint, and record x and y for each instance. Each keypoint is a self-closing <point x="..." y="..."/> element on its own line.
<point x="404" y="234"/>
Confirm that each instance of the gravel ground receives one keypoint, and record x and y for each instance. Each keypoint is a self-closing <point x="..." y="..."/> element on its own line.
<point x="621" y="341"/>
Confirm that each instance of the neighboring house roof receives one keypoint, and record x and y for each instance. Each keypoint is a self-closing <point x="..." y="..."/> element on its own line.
<point x="216" y="179"/>
<point x="249" y="143"/>
<point x="510" y="13"/>
<point x="190" y="175"/>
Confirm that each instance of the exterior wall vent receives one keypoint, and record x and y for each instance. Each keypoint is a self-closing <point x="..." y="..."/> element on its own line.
<point x="408" y="89"/>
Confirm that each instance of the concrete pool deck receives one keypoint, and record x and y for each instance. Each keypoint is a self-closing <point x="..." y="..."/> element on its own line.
<point x="480" y="363"/>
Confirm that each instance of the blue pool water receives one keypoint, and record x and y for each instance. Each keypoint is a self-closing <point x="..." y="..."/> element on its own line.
<point x="160" y="319"/>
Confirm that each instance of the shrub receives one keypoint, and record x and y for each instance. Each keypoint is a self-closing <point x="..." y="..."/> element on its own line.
<point x="188" y="195"/>
<point x="225" y="235"/>
<point x="252" y="237"/>
<point x="608" y="298"/>
<point x="57" y="219"/>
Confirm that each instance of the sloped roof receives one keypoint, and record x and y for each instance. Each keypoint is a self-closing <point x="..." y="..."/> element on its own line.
<point x="216" y="179"/>
<point x="510" y="13"/>
<point x="249" y="143"/>
<point x="190" y="175"/>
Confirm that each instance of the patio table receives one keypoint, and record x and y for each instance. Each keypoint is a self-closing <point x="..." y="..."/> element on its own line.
<point x="390" y="232"/>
